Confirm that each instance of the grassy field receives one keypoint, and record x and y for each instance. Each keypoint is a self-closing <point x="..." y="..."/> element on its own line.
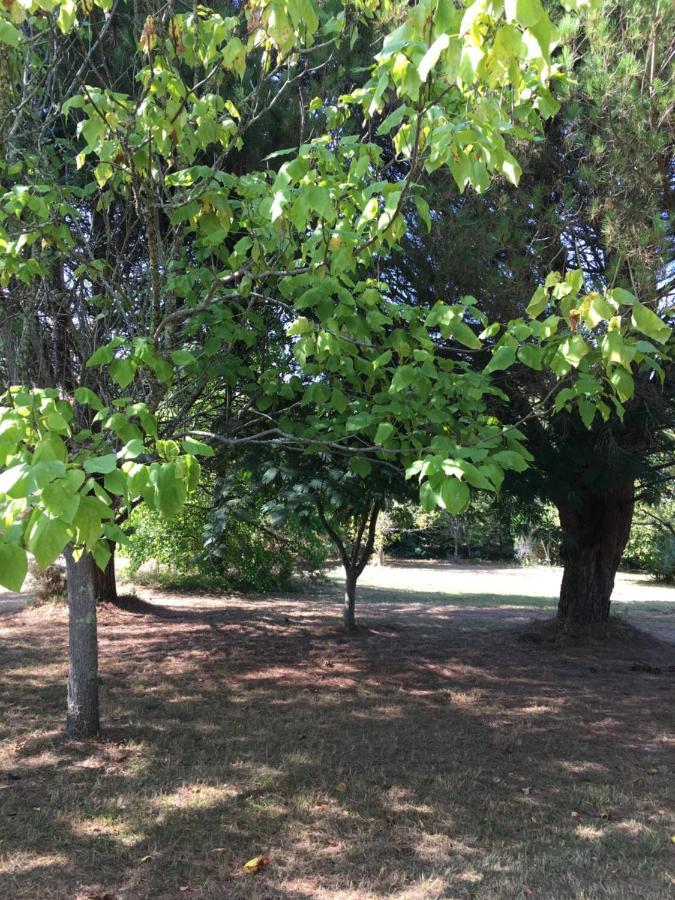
<point x="448" y="750"/>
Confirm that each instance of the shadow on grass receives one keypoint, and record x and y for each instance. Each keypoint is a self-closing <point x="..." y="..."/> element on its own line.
<point x="424" y="758"/>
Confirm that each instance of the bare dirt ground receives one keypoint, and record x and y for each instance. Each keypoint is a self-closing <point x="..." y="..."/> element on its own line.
<point x="436" y="754"/>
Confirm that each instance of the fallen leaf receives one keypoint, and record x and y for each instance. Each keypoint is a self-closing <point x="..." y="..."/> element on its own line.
<point x="255" y="864"/>
<point x="672" y="839"/>
<point x="342" y="787"/>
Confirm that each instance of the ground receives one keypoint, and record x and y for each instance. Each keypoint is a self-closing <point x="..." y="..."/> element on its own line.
<point x="449" y="750"/>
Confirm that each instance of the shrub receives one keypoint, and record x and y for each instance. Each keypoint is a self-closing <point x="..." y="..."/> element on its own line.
<point x="226" y="546"/>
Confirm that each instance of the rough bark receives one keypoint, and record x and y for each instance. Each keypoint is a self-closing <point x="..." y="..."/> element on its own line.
<point x="82" y="718"/>
<point x="349" y="608"/>
<point x="595" y="534"/>
<point x="105" y="584"/>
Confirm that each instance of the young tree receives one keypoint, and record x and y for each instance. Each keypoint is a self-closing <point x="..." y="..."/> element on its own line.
<point x="338" y="495"/>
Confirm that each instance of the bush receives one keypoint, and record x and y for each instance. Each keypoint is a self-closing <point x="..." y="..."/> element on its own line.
<point x="651" y="546"/>
<point x="229" y="546"/>
<point x="50" y="583"/>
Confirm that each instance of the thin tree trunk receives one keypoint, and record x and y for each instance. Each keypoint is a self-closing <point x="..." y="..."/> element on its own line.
<point x="349" y="608"/>
<point x="82" y="719"/>
<point x="594" y="537"/>
<point x="105" y="584"/>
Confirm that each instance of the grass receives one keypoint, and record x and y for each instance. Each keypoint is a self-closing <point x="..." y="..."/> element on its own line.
<point x="433" y="755"/>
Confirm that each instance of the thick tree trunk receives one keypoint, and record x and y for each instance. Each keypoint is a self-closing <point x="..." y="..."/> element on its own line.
<point x="105" y="584"/>
<point x="349" y="608"/>
<point x="594" y="537"/>
<point x="82" y="718"/>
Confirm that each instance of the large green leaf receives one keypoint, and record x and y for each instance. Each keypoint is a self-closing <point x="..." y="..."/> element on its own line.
<point x="525" y="12"/>
<point x="47" y="539"/>
<point x="649" y="323"/>
<point x="13" y="566"/>
<point x="170" y="491"/>
<point x="100" y="464"/>
<point x="503" y="358"/>
<point x="455" y="495"/>
<point x="60" y="501"/>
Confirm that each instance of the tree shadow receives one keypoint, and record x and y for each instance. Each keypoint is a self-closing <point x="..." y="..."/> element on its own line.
<point x="420" y="758"/>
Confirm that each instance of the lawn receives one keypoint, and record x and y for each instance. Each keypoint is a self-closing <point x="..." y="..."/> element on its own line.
<point x="436" y="754"/>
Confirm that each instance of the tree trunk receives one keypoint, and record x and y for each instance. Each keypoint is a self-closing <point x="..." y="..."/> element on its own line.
<point x="349" y="608"/>
<point x="105" y="585"/>
<point x="594" y="537"/>
<point x="82" y="718"/>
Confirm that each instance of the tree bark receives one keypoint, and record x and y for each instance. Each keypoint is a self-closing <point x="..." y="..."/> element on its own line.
<point x="595" y="534"/>
<point x="82" y="718"/>
<point x="105" y="584"/>
<point x="349" y="608"/>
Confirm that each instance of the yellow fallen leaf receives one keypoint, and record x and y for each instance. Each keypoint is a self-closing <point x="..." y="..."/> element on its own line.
<point x="672" y="839"/>
<point x="255" y="864"/>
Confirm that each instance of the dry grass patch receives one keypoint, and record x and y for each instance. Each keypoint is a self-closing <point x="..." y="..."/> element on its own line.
<point x="429" y="756"/>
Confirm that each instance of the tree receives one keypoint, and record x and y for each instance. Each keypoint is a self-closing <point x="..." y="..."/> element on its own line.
<point x="339" y="496"/>
<point x="596" y="195"/>
<point x="59" y="476"/>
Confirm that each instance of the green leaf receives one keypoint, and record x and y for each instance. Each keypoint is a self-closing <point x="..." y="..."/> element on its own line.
<point x="88" y="521"/>
<point x="171" y="493"/>
<point x="455" y="495"/>
<point x="525" y="12"/>
<point x="47" y="539"/>
<point x="531" y="356"/>
<point x="16" y="481"/>
<point x="384" y="432"/>
<point x="100" y="464"/>
<point x="502" y="358"/>
<point x="622" y="383"/>
<point x="432" y="56"/>
<point x="115" y="483"/>
<point x="122" y="371"/>
<point x="461" y="332"/>
<point x="624" y="297"/>
<point x="474" y="476"/>
<point x="509" y="459"/>
<point x="67" y="15"/>
<point x="197" y="448"/>
<point x="596" y="309"/>
<point x="183" y="357"/>
<point x="649" y="323"/>
<point x="60" y="501"/>
<point x="587" y="412"/>
<point x="614" y="350"/>
<point x="104" y="355"/>
<point x="88" y="398"/>
<point x="428" y="496"/>
<point x="574" y="348"/>
<point x="361" y="466"/>
<point x="9" y="34"/>
<point x="13" y="566"/>
<point x="538" y="303"/>
<point x="47" y="471"/>
<point x="101" y="554"/>
<point x="338" y="401"/>
<point x="359" y="421"/>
